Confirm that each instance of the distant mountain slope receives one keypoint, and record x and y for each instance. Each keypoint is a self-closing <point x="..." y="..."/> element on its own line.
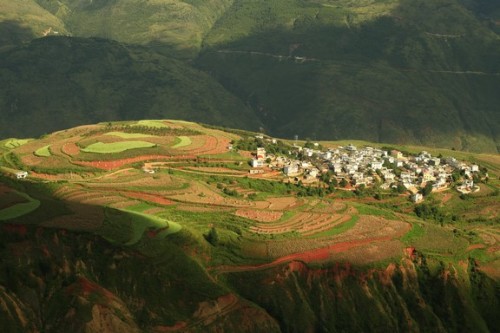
<point x="58" y="82"/>
<point x="177" y="26"/>
<point x="406" y="71"/>
<point x="21" y="21"/>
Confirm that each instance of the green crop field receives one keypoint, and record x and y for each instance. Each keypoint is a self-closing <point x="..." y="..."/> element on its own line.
<point x="19" y="209"/>
<point x="43" y="152"/>
<point x="151" y="123"/>
<point x="14" y="143"/>
<point x="182" y="141"/>
<point x="116" y="147"/>
<point x="124" y="135"/>
<point x="338" y="229"/>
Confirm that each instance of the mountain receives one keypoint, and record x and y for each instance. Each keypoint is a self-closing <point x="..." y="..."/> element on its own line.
<point x="395" y="71"/>
<point x="58" y="82"/>
<point x="172" y="26"/>
<point x="155" y="226"/>
<point x="388" y="71"/>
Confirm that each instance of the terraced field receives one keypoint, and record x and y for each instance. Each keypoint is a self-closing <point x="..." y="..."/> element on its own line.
<point x="191" y="183"/>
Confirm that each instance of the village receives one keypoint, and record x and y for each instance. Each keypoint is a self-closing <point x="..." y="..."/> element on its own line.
<point x="351" y="168"/>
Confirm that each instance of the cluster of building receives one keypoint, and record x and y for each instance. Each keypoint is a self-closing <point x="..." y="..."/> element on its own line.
<point x="366" y="166"/>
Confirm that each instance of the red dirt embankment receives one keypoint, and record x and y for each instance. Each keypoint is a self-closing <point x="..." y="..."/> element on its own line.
<point x="321" y="254"/>
<point x="110" y="165"/>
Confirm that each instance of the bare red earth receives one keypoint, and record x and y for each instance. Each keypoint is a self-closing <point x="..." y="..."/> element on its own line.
<point x="70" y="148"/>
<point x="316" y="255"/>
<point x="110" y="165"/>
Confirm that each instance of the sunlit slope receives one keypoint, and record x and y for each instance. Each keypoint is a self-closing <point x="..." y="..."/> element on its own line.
<point x="178" y="26"/>
<point x="21" y="21"/>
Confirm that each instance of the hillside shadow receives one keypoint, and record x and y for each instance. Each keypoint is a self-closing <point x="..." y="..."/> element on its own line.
<point x="13" y="33"/>
<point x="400" y="77"/>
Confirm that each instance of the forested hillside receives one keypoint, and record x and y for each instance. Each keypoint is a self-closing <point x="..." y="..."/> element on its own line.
<point x="57" y="82"/>
<point x="423" y="71"/>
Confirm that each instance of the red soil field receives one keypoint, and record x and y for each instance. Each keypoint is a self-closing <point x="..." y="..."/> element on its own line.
<point x="317" y="255"/>
<point x="70" y="149"/>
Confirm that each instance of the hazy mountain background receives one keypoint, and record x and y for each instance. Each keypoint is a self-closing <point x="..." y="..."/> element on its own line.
<point x="388" y="70"/>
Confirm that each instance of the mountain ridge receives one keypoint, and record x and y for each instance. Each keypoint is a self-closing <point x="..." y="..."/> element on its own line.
<point x="397" y="71"/>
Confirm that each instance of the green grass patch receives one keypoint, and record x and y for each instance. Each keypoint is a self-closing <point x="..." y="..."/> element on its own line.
<point x="43" y="152"/>
<point x="141" y="207"/>
<point x="124" y="135"/>
<point x="230" y="155"/>
<point x="19" y="209"/>
<point x="116" y="147"/>
<point x="182" y="141"/>
<point x="369" y="210"/>
<point x="416" y="232"/>
<point x="14" y="143"/>
<point x="338" y="229"/>
<point x="151" y="123"/>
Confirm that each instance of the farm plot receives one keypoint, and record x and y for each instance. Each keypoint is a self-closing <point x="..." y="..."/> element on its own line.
<point x="201" y="194"/>
<point x="305" y="223"/>
<point x="220" y="170"/>
<point x="151" y="123"/>
<point x="115" y="164"/>
<point x="116" y="147"/>
<point x="124" y="135"/>
<point x="196" y="142"/>
<point x="182" y="141"/>
<point x="54" y="162"/>
<point x="281" y="203"/>
<point x="43" y="151"/>
<point x="131" y="179"/>
<point x="368" y="229"/>
<point x="157" y="199"/>
<point x="259" y="215"/>
<point x="68" y="146"/>
<point x="9" y="197"/>
<point x="206" y="145"/>
<point x="19" y="209"/>
<point x="201" y="208"/>
<point x="14" y="143"/>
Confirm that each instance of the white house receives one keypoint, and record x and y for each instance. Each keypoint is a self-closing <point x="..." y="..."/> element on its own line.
<point x="417" y="197"/>
<point x="21" y="174"/>
<point x="148" y="170"/>
<point x="257" y="163"/>
<point x="377" y="165"/>
<point x="261" y="153"/>
<point x="291" y="169"/>
<point x="434" y="161"/>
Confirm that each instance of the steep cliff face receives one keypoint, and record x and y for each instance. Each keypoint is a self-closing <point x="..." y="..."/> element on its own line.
<point x="59" y="281"/>
<point x="407" y="297"/>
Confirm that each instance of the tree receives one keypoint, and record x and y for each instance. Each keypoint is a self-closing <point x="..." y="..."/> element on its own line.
<point x="427" y="189"/>
<point x="212" y="237"/>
